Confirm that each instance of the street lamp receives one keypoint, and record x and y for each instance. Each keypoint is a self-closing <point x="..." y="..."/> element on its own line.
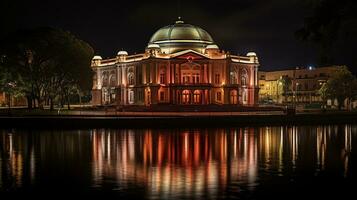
<point x="278" y="83"/>
<point x="296" y="90"/>
<point x="10" y="88"/>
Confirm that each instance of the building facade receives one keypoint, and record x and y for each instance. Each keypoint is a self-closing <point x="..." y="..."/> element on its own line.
<point x="181" y="65"/>
<point x="296" y="85"/>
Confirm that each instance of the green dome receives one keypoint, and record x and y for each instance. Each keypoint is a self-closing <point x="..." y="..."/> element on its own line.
<point x="181" y="36"/>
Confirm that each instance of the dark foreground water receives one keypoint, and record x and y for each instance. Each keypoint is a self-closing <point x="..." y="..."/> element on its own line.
<point x="247" y="163"/>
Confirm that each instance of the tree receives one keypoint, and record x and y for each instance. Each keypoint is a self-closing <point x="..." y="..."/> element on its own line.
<point x="10" y="83"/>
<point x="341" y="86"/>
<point x="285" y="82"/>
<point x="48" y="61"/>
<point x="324" y="94"/>
<point x="330" y="21"/>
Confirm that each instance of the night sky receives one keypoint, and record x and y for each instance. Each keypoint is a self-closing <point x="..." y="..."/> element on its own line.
<point x="264" y="26"/>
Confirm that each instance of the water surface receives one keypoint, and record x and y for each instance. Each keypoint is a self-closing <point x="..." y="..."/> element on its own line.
<point x="246" y="163"/>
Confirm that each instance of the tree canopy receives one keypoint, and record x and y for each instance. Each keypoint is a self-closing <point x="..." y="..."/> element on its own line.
<point x="46" y="64"/>
<point x="330" y="21"/>
<point x="341" y="86"/>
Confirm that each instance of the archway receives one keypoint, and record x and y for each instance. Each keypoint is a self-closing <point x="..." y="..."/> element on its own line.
<point x="197" y="97"/>
<point x="186" y="97"/>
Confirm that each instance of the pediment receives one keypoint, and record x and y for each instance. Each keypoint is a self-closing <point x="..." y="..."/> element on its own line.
<point x="189" y="55"/>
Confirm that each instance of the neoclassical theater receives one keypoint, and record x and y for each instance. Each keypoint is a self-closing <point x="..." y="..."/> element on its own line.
<point x="181" y="65"/>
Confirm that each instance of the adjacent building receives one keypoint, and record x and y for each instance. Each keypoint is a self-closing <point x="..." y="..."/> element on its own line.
<point x="296" y="85"/>
<point x="180" y="65"/>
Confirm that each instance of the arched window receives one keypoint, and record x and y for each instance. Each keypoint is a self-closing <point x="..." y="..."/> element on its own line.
<point x="186" y="97"/>
<point x="244" y="77"/>
<point x="105" y="81"/>
<point x="196" y="97"/>
<point x="244" y="81"/>
<point x="112" y="81"/>
<point x="234" y="78"/>
<point x="234" y="96"/>
<point x="131" y="79"/>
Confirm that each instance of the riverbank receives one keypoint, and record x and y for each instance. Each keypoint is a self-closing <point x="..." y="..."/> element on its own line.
<point x="170" y="120"/>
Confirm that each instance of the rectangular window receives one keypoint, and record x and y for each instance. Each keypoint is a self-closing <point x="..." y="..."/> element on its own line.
<point x="197" y="78"/>
<point x="217" y="79"/>
<point x="140" y="77"/>
<point x="162" y="78"/>
<point x="219" y="96"/>
<point x="186" y="78"/>
<point x="131" y="97"/>
<point x="162" y="96"/>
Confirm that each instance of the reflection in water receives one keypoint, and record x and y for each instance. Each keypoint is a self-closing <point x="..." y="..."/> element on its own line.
<point x="202" y="163"/>
<point x="175" y="162"/>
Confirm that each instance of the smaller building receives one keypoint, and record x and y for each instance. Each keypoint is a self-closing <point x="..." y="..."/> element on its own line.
<point x="15" y="101"/>
<point x="298" y="85"/>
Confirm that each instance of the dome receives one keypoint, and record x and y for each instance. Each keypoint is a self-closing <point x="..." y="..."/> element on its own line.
<point x="97" y="58"/>
<point x="251" y="54"/>
<point x="212" y="46"/>
<point x="122" y="53"/>
<point x="181" y="36"/>
<point x="153" y="46"/>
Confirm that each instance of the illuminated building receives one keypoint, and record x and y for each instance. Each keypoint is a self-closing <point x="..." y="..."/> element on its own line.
<point x="181" y="65"/>
<point x="302" y="88"/>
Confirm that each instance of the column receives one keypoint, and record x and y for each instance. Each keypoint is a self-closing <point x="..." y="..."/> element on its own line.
<point x="99" y="80"/>
<point x="118" y="75"/>
<point x="204" y="78"/>
<point x="191" y="97"/>
<point x="209" y="73"/>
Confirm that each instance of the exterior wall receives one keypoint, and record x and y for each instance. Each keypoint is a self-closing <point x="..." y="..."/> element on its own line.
<point x="184" y="78"/>
<point x="2" y="98"/>
<point x="305" y="83"/>
<point x="15" y="101"/>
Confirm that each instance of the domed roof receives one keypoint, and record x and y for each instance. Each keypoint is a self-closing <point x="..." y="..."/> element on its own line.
<point x="212" y="46"/>
<point x="251" y="54"/>
<point x="181" y="36"/>
<point x="122" y="53"/>
<point x="97" y="57"/>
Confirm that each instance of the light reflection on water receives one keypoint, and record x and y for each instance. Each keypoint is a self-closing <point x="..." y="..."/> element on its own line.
<point x="179" y="163"/>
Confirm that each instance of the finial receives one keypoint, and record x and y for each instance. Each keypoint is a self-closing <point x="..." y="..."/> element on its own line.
<point x="179" y="21"/>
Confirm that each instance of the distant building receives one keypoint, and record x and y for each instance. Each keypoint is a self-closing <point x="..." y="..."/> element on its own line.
<point x="2" y="98"/>
<point x="15" y="101"/>
<point x="302" y="89"/>
<point x="181" y="65"/>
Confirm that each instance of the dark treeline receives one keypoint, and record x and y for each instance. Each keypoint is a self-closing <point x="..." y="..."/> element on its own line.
<point x="331" y="28"/>
<point x="45" y="65"/>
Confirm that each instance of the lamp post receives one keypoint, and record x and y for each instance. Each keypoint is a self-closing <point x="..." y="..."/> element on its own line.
<point x="297" y="91"/>
<point x="278" y="84"/>
<point x="10" y="88"/>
